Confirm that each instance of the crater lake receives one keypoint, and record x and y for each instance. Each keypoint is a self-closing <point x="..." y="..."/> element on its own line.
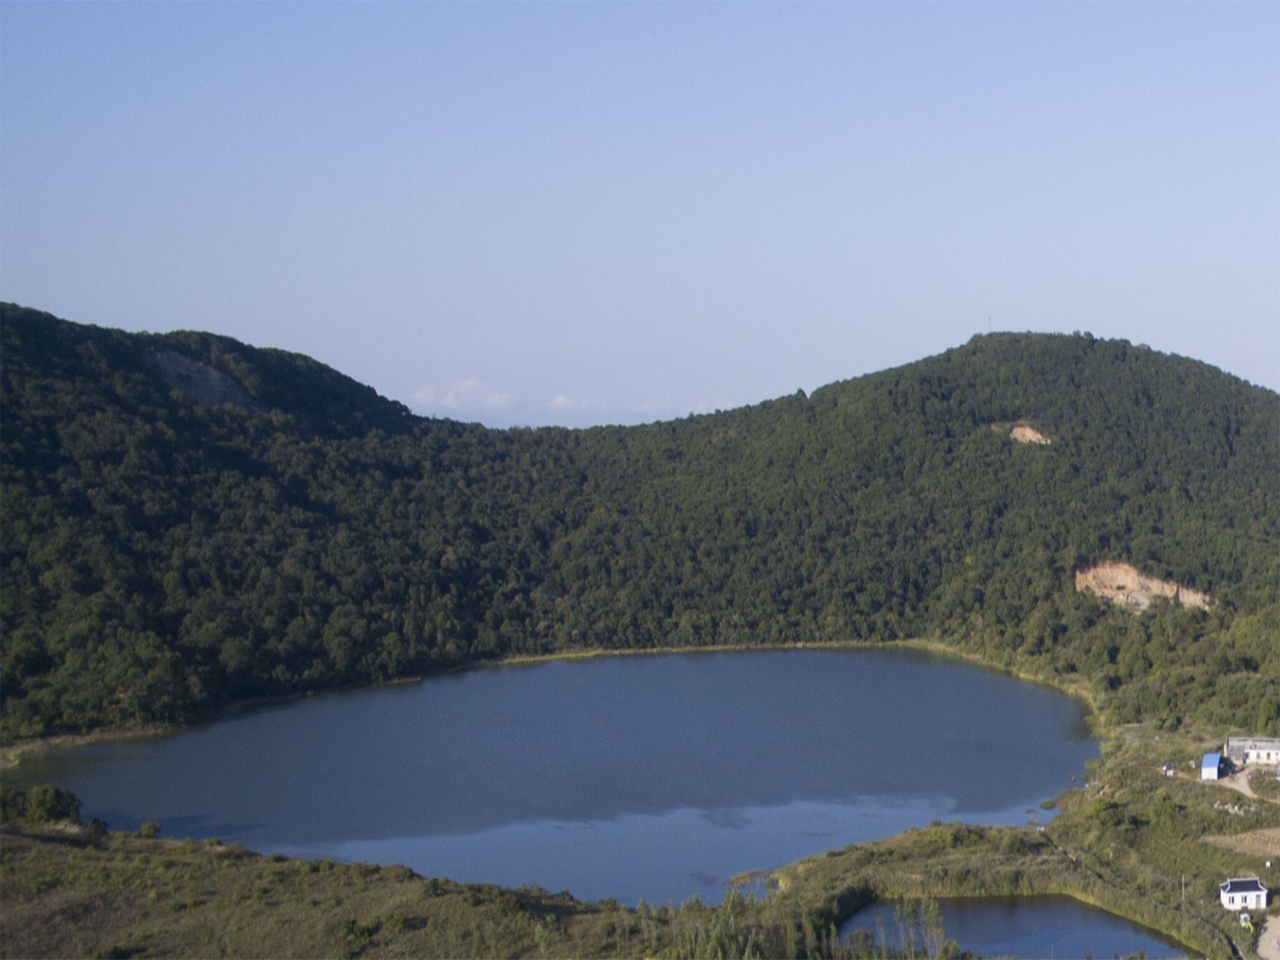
<point x="655" y="777"/>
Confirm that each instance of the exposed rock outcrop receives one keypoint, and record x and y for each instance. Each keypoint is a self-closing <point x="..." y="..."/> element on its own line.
<point x="1123" y="584"/>
<point x="202" y="383"/>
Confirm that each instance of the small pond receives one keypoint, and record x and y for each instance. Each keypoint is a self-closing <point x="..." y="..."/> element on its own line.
<point x="1031" y="927"/>
<point x="655" y="777"/>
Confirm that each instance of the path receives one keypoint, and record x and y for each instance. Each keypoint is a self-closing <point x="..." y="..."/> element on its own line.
<point x="1269" y="942"/>
<point x="1240" y="781"/>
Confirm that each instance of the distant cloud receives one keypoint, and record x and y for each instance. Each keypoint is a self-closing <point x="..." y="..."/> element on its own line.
<point x="466" y="394"/>
<point x="473" y="399"/>
<point x="561" y="402"/>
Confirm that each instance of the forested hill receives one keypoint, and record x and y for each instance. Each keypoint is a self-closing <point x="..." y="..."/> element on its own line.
<point x="189" y="522"/>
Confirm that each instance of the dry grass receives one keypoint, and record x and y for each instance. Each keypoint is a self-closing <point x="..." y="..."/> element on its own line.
<point x="65" y="895"/>
<point x="1255" y="843"/>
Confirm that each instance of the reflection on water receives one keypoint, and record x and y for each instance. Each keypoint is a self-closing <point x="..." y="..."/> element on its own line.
<point x="621" y="777"/>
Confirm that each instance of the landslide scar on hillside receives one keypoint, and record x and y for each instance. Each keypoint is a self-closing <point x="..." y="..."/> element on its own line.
<point x="1025" y="434"/>
<point x="1123" y="584"/>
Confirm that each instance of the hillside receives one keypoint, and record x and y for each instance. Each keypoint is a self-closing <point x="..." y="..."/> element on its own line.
<point x="189" y="522"/>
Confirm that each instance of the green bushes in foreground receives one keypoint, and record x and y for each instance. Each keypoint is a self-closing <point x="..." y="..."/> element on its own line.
<point x="39" y="804"/>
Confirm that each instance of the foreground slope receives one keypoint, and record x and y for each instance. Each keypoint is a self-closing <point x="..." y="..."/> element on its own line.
<point x="191" y="522"/>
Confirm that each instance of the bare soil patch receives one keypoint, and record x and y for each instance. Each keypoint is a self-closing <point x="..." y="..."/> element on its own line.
<point x="1126" y="585"/>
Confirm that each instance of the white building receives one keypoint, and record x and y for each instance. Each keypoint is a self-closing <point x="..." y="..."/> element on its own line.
<point x="1210" y="766"/>
<point x="1243" y="893"/>
<point x="1252" y="749"/>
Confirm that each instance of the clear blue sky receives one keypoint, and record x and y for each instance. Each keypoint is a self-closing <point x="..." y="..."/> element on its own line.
<point x="565" y="213"/>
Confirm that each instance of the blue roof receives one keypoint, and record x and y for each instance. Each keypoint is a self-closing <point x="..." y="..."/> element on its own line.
<point x="1211" y="760"/>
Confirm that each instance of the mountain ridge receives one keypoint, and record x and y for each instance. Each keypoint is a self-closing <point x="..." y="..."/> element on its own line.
<point x="164" y="558"/>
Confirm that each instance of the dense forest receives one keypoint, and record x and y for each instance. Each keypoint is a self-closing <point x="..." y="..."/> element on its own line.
<point x="189" y="522"/>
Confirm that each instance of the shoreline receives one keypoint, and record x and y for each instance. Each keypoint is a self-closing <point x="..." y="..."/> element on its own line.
<point x="1093" y="712"/>
<point x="906" y="867"/>
<point x="1049" y="890"/>
<point x="13" y="754"/>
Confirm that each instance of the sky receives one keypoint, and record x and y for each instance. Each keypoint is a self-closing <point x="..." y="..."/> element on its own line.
<point x="578" y="214"/>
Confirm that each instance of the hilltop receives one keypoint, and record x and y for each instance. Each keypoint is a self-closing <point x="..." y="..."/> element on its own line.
<point x="190" y="522"/>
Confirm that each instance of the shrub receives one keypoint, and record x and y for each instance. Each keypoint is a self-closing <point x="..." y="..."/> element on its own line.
<point x="46" y="804"/>
<point x="13" y="804"/>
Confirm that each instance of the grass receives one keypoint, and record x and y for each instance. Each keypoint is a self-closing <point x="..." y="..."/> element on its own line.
<point x="68" y="895"/>
<point x="1264" y="783"/>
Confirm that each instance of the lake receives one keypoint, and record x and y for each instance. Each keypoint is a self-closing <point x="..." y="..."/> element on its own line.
<point x="655" y="777"/>
<point x="1025" y="927"/>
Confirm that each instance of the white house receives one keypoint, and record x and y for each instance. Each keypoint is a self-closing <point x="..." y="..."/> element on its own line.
<point x="1252" y="749"/>
<point x="1210" y="766"/>
<point x="1243" y="893"/>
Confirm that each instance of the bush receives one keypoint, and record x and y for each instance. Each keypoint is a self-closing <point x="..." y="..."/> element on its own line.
<point x="1014" y="844"/>
<point x="13" y="804"/>
<point x="46" y="804"/>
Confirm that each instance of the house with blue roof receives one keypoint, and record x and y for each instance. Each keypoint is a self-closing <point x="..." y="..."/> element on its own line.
<point x="1211" y="766"/>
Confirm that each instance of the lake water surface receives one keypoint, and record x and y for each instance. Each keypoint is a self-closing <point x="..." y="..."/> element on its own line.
<point x="654" y="777"/>
<point x="1024" y="927"/>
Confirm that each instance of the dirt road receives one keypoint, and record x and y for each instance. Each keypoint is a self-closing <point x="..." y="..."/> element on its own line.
<point x="1240" y="781"/>
<point x="1269" y="943"/>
